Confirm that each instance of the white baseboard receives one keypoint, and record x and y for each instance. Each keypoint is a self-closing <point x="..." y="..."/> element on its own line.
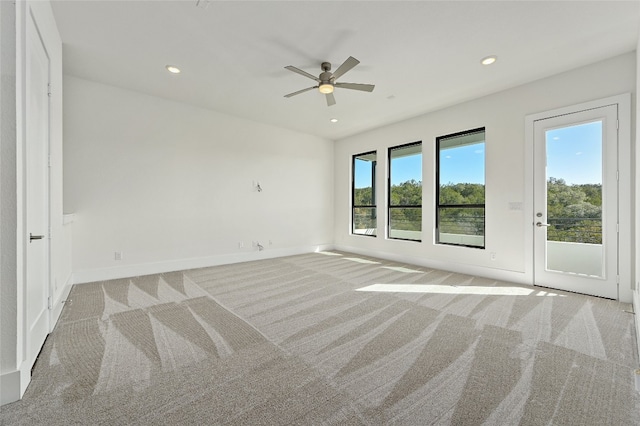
<point x="126" y="271"/>
<point x="10" y="387"/>
<point x="496" y="274"/>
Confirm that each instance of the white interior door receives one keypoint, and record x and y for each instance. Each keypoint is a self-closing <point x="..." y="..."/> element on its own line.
<point x="37" y="196"/>
<point x="576" y="202"/>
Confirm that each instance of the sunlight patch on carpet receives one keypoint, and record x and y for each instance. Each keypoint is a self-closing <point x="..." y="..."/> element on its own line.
<point x="328" y="253"/>
<point x="446" y="289"/>
<point x="359" y="260"/>
<point x="401" y="269"/>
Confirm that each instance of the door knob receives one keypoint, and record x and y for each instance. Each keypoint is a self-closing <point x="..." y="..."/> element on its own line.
<point x="35" y="237"/>
<point x="540" y="224"/>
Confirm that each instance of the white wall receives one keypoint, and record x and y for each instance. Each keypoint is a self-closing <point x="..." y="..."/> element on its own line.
<point x="503" y="115"/>
<point x="171" y="186"/>
<point x="8" y="212"/>
<point x="636" y="148"/>
<point x="14" y="371"/>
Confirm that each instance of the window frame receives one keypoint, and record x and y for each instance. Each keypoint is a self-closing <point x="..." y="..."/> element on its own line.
<point x="389" y="206"/>
<point x="463" y="206"/>
<point x="374" y="200"/>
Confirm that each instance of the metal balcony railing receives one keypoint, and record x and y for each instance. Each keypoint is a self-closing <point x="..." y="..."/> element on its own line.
<point x="575" y="229"/>
<point x="587" y="230"/>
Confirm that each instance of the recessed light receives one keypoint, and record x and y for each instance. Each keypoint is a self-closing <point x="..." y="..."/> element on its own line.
<point x="489" y="60"/>
<point x="173" y="69"/>
<point x="334" y="120"/>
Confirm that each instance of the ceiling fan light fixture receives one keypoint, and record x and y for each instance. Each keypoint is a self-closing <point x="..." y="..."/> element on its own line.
<point x="325" y="88"/>
<point x="489" y="60"/>
<point x="173" y="69"/>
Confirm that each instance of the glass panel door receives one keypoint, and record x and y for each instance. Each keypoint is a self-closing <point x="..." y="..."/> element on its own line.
<point x="574" y="199"/>
<point x="576" y="204"/>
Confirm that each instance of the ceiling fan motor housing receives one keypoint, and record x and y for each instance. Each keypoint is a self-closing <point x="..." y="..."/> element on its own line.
<point x="326" y="77"/>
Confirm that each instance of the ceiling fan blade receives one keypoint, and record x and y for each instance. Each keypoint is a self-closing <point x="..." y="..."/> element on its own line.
<point x="300" y="91"/>
<point x="330" y="99"/>
<point x="346" y="66"/>
<point x="356" y="86"/>
<point x="304" y="73"/>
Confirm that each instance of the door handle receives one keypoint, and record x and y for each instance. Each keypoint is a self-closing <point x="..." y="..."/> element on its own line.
<point x="540" y="224"/>
<point x="35" y="237"/>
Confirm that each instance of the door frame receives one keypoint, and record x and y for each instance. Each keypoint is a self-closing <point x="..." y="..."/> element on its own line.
<point x="623" y="101"/>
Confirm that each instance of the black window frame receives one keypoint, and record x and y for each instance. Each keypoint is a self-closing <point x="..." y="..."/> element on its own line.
<point x="463" y="206"/>
<point x="374" y="204"/>
<point x="389" y="206"/>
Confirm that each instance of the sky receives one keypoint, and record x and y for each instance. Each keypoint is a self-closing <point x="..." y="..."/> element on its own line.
<point x="574" y="154"/>
<point x="363" y="174"/>
<point x="464" y="164"/>
<point x="406" y="168"/>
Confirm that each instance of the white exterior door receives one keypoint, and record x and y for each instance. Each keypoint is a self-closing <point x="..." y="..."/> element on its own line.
<point x="37" y="192"/>
<point x="576" y="201"/>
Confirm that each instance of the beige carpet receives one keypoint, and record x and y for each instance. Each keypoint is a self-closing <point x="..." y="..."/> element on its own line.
<point x="332" y="338"/>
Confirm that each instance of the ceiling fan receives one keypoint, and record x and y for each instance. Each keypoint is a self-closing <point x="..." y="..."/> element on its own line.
<point x="327" y="80"/>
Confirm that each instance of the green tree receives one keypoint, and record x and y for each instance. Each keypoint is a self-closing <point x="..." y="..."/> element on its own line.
<point x="574" y="211"/>
<point x="461" y="193"/>
<point x="363" y="196"/>
<point x="593" y="192"/>
<point x="364" y="217"/>
<point x="408" y="193"/>
<point x="461" y="220"/>
<point x="560" y="196"/>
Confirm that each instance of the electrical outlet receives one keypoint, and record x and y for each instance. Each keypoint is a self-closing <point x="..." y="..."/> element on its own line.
<point x="492" y="256"/>
<point x="118" y="255"/>
<point x="241" y="244"/>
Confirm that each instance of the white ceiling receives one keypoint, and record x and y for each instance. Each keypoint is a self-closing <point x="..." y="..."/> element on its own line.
<point x="421" y="55"/>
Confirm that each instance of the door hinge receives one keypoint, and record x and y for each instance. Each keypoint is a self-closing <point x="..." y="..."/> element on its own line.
<point x="617" y="279"/>
<point x="49" y="160"/>
<point x="49" y="89"/>
<point x="618" y="124"/>
<point x="49" y="302"/>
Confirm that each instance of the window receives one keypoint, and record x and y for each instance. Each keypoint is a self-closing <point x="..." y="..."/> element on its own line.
<point x="363" y="194"/>
<point x="405" y="192"/>
<point x="460" y="188"/>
